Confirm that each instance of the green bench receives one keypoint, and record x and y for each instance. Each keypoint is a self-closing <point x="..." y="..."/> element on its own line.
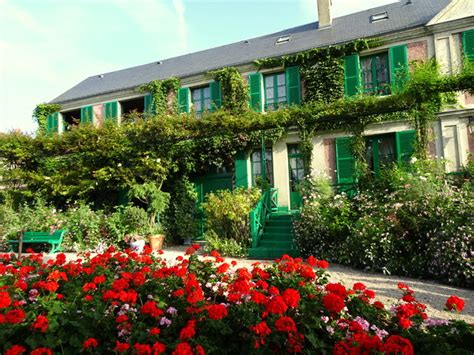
<point x="54" y="239"/>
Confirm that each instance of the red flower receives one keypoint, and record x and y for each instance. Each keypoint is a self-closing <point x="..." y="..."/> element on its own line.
<point x="337" y="289"/>
<point x="150" y="308"/>
<point x="359" y="286"/>
<point x="222" y="268"/>
<point x="188" y="331"/>
<point x="42" y="351"/>
<point x="41" y="323"/>
<point x="15" y="350"/>
<point x="261" y="329"/>
<point x="285" y="324"/>
<point x="405" y="323"/>
<point x="99" y="279"/>
<point x="396" y="344"/>
<point x="121" y="347"/>
<point x="200" y="350"/>
<point x="277" y="306"/>
<point x="217" y="311"/>
<point x="90" y="343"/>
<point x="455" y="303"/>
<point x="158" y="348"/>
<point x="408" y="297"/>
<point x="183" y="349"/>
<point x="15" y="316"/>
<point x="333" y="302"/>
<point x="322" y="264"/>
<point x="258" y="297"/>
<point x="369" y="293"/>
<point x="379" y="305"/>
<point x="89" y="287"/>
<point x="142" y="349"/>
<point x="291" y="297"/>
<point x="5" y="300"/>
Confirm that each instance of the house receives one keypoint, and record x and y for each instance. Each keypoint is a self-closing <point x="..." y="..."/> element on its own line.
<point x="410" y="29"/>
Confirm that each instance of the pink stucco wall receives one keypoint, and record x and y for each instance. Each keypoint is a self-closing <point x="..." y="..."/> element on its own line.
<point x="417" y="51"/>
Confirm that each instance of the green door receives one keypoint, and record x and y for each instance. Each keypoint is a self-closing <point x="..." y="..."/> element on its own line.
<point x="296" y="170"/>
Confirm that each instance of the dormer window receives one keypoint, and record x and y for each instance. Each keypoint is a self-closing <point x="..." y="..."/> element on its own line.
<point x="379" y="17"/>
<point x="283" y="39"/>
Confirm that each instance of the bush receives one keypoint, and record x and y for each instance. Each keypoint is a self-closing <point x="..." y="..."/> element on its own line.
<point x="226" y="247"/>
<point x="410" y="221"/>
<point x="141" y="304"/>
<point x="227" y="214"/>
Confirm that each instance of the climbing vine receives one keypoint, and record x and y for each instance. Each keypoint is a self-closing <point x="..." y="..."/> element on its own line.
<point x="235" y="93"/>
<point x="41" y="113"/>
<point x="163" y="93"/>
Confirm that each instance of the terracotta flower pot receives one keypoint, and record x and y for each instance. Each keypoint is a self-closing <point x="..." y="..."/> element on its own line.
<point x="156" y="241"/>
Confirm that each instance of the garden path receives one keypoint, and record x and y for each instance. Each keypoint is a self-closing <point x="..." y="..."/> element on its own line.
<point x="433" y="294"/>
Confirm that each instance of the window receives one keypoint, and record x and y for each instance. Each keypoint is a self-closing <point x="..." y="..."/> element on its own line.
<point x="380" y="152"/>
<point x="275" y="91"/>
<point x="71" y="119"/>
<point x="201" y="99"/>
<point x="257" y="165"/>
<point x="375" y="75"/>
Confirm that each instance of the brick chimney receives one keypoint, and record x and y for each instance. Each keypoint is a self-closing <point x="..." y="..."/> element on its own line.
<point x="324" y="13"/>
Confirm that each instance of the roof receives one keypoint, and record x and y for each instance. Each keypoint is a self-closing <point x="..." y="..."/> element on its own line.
<point x="346" y="28"/>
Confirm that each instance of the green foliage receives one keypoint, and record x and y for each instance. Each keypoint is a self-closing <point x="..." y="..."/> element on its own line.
<point x="163" y="93"/>
<point x="41" y="113"/>
<point x="235" y="94"/>
<point x="227" y="213"/>
<point x="410" y="221"/>
<point x="181" y="215"/>
<point x="155" y="200"/>
<point x="226" y="247"/>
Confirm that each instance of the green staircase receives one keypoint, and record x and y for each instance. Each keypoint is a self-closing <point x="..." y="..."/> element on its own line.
<point x="277" y="238"/>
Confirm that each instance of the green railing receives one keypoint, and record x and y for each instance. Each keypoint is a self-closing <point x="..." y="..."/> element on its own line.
<point x="267" y="204"/>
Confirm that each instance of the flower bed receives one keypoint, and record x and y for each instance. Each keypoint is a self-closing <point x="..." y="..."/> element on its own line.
<point x="124" y="302"/>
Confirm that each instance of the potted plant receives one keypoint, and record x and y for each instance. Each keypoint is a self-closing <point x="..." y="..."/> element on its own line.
<point x="134" y="222"/>
<point x="156" y="202"/>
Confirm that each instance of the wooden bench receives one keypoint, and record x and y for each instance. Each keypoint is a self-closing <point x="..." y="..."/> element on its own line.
<point x="54" y="239"/>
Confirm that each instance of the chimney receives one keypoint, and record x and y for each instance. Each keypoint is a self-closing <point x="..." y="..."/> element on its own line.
<point x="324" y="13"/>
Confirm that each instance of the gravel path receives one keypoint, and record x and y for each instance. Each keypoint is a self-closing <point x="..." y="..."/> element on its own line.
<point x="433" y="294"/>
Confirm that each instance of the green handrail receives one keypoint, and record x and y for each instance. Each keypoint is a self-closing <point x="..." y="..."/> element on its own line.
<point x="267" y="204"/>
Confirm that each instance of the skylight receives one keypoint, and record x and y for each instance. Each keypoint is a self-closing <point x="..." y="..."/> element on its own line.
<point x="283" y="39"/>
<point x="379" y="17"/>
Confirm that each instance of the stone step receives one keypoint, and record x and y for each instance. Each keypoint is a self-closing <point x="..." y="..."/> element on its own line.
<point x="275" y="243"/>
<point x="271" y="253"/>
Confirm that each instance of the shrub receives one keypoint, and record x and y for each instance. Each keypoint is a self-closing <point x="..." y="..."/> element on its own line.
<point x="227" y="213"/>
<point x="410" y="221"/>
<point x="226" y="247"/>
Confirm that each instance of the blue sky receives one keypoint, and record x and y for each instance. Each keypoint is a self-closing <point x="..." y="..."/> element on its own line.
<point x="48" y="46"/>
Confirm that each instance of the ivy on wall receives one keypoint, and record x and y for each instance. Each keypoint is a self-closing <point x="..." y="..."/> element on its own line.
<point x="163" y="93"/>
<point x="235" y="93"/>
<point x="90" y="163"/>
<point x="41" y="113"/>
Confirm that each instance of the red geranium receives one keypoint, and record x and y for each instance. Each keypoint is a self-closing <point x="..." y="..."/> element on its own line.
<point x="5" y="300"/>
<point x="277" y="306"/>
<point x="217" y="311"/>
<point x="90" y="343"/>
<point x="188" y="331"/>
<point x="285" y="324"/>
<point x="15" y="350"/>
<point x="183" y="349"/>
<point x="291" y="297"/>
<point x="15" y="316"/>
<point x="121" y="347"/>
<point x="42" y="351"/>
<point x="41" y="323"/>
<point x="333" y="302"/>
<point x="396" y="344"/>
<point x="455" y="303"/>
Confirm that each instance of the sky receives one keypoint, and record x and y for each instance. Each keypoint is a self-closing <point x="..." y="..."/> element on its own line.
<point x="48" y="46"/>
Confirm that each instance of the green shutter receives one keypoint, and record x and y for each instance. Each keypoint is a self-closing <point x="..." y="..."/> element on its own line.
<point x="405" y="145"/>
<point x="351" y="75"/>
<point x="345" y="161"/>
<point x="241" y="171"/>
<point x="255" y="86"/>
<point x="216" y="95"/>
<point x="148" y="104"/>
<point x="293" y="86"/>
<point x="55" y="122"/>
<point x="87" y="114"/>
<point x="111" y="111"/>
<point x="49" y="123"/>
<point x="184" y="96"/>
<point x="468" y="45"/>
<point x="398" y="60"/>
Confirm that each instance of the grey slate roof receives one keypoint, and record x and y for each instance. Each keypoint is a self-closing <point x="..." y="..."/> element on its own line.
<point x="346" y="28"/>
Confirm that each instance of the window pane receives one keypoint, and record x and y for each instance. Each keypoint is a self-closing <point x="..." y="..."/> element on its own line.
<point x="300" y="175"/>
<point x="281" y="92"/>
<point x="269" y="81"/>
<point x="196" y="94"/>
<point x="207" y="104"/>
<point x="269" y="93"/>
<point x="293" y="163"/>
<point x="197" y="105"/>
<point x="386" y="150"/>
<point x="257" y="169"/>
<point x="207" y="92"/>
<point x="256" y="156"/>
<point x="281" y="79"/>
